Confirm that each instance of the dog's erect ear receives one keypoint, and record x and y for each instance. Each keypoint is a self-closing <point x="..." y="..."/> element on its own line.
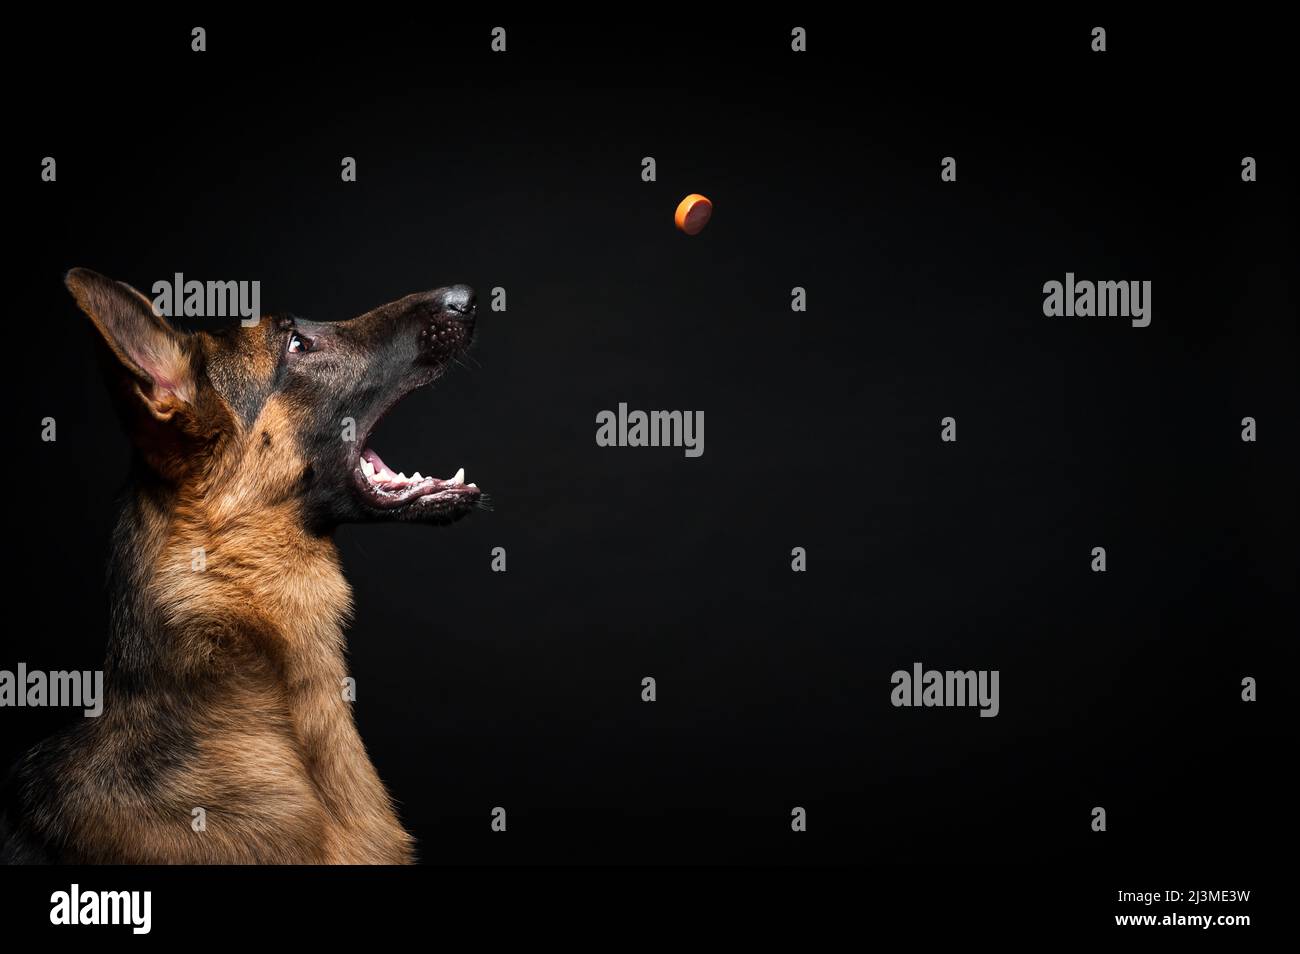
<point x="156" y="355"/>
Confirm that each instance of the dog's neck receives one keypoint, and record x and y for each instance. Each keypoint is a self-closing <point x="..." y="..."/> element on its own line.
<point x="256" y="583"/>
<point x="242" y="615"/>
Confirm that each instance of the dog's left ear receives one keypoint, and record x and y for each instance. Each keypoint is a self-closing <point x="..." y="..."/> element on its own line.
<point x="157" y="357"/>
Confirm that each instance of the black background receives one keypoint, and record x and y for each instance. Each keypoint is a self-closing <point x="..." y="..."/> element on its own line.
<point x="522" y="170"/>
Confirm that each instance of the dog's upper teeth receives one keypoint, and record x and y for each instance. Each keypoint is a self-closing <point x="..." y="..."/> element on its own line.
<point x="459" y="478"/>
<point x="367" y="468"/>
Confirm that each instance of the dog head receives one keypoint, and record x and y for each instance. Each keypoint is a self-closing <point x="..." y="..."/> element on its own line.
<point x="278" y="413"/>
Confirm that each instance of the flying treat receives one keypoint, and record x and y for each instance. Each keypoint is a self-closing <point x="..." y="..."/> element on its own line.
<point x="693" y="213"/>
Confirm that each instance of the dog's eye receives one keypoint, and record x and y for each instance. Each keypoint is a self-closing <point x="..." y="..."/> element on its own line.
<point x="298" y="344"/>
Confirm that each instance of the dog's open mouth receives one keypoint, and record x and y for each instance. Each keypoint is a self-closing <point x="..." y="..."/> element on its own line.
<point x="387" y="489"/>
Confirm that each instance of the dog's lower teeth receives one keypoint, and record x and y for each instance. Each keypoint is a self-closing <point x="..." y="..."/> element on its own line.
<point x="387" y="481"/>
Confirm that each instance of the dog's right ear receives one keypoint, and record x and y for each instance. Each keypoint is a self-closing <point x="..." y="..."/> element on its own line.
<point x="156" y="356"/>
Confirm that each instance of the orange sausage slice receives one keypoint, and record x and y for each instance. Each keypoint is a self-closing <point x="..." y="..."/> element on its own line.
<point x="693" y="213"/>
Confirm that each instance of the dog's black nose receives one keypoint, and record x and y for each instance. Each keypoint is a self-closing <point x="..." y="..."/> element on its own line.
<point x="459" y="300"/>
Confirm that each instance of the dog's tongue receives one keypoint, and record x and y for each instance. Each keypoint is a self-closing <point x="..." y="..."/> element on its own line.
<point x="380" y="473"/>
<point x="373" y="466"/>
<point x="382" y="470"/>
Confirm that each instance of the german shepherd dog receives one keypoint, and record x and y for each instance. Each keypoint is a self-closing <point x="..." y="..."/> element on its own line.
<point x="225" y="674"/>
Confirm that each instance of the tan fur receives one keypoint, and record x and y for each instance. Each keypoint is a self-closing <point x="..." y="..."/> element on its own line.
<point x="225" y="686"/>
<point x="275" y="596"/>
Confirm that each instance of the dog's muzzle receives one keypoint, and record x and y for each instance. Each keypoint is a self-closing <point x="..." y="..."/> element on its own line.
<point x="451" y="325"/>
